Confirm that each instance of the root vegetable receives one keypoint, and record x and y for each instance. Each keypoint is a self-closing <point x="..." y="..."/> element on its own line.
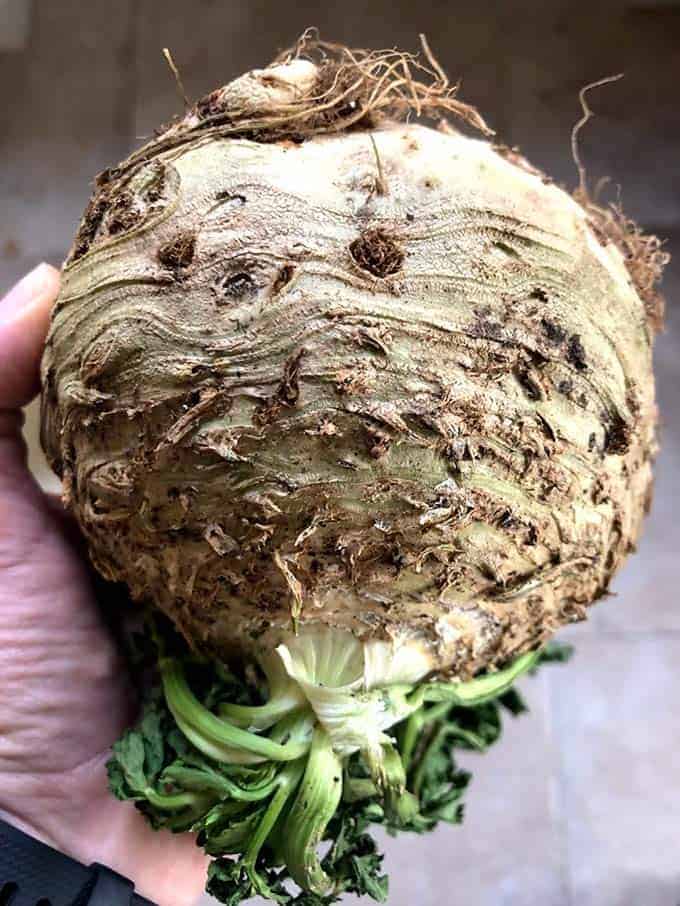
<point x="364" y="401"/>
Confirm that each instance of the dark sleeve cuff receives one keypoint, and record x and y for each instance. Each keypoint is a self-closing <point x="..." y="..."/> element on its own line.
<point x="31" y="872"/>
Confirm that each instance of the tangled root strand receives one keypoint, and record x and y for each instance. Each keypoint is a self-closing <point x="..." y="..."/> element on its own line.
<point x="643" y="253"/>
<point x="318" y="87"/>
<point x="363" y="87"/>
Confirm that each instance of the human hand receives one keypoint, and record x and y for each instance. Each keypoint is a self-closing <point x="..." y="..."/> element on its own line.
<point x="65" y="694"/>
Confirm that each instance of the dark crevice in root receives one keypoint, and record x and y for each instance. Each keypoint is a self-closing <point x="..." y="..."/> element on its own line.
<point x="376" y="252"/>
<point x="113" y="210"/>
<point x="239" y="286"/>
<point x="576" y="354"/>
<point x="287" y="393"/>
<point x="92" y="220"/>
<point x="122" y="215"/>
<point x="283" y="278"/>
<point x="617" y="436"/>
<point x="178" y="254"/>
<point x="553" y="332"/>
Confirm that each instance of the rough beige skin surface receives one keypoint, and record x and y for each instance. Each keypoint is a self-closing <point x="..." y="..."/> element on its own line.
<point x="425" y="414"/>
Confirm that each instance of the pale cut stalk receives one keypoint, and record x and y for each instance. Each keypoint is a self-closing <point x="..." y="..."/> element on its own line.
<point x="315" y="804"/>
<point x="191" y="714"/>
<point x="285" y="696"/>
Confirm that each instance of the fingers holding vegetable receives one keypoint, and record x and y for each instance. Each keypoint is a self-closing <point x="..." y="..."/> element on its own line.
<point x="24" y="316"/>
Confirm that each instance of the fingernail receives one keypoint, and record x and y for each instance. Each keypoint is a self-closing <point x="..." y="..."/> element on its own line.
<point x="25" y="291"/>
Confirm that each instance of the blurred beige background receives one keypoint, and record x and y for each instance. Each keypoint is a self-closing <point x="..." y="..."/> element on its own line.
<point x="581" y="804"/>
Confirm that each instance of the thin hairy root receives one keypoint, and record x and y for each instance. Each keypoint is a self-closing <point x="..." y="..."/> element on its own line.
<point x="643" y="254"/>
<point x="330" y="88"/>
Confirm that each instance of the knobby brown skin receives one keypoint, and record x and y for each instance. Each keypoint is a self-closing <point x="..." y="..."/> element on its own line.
<point x="417" y="406"/>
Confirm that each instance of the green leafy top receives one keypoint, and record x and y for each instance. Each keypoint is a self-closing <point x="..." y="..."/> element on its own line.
<point x="261" y="802"/>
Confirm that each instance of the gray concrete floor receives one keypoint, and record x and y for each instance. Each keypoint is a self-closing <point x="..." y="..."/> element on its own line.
<point x="580" y="806"/>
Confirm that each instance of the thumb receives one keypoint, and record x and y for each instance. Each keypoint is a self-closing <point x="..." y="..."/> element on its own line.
<point x="24" y="318"/>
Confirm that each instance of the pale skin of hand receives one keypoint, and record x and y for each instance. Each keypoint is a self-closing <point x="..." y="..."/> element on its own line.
<point x="64" y="693"/>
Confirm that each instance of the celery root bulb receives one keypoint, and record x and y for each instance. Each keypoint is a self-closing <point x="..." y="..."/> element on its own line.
<point x="383" y="378"/>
